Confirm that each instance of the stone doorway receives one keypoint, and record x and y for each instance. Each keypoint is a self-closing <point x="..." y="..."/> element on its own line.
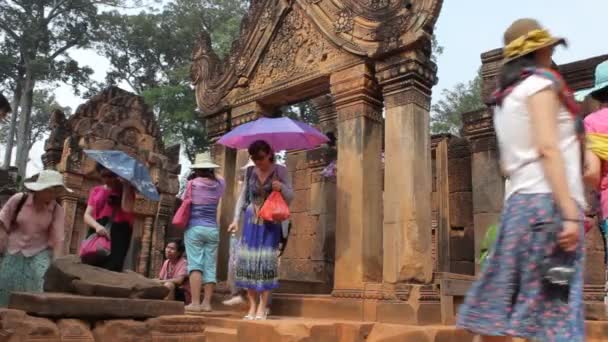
<point x="356" y="61"/>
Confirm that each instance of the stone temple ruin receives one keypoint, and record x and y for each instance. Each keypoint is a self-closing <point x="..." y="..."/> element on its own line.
<point x="386" y="250"/>
<point x="115" y="119"/>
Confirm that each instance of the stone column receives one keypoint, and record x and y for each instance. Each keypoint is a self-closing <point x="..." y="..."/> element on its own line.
<point x="406" y="86"/>
<point x="70" y="205"/>
<point x="488" y="183"/>
<point x="146" y="245"/>
<point x="359" y="187"/>
<point x="69" y="202"/>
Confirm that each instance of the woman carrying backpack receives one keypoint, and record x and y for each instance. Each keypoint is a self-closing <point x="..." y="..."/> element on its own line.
<point x="31" y="235"/>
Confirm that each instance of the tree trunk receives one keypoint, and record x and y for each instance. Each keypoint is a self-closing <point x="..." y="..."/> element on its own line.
<point x="25" y="122"/>
<point x="10" y="140"/>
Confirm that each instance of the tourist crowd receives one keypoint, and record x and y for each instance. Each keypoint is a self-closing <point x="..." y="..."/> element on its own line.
<point x="531" y="284"/>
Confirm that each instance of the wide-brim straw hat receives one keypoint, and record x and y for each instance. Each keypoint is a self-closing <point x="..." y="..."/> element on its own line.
<point x="601" y="82"/>
<point x="203" y="161"/>
<point x="47" y="179"/>
<point x="525" y="36"/>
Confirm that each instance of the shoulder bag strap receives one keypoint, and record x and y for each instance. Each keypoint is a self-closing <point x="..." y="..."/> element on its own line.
<point x="22" y="201"/>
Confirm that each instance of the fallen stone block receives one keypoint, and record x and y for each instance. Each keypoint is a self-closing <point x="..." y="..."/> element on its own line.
<point x="69" y="275"/>
<point x="61" y="305"/>
<point x="17" y="326"/>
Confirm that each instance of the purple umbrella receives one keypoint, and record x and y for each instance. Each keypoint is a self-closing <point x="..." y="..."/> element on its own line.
<point x="281" y="133"/>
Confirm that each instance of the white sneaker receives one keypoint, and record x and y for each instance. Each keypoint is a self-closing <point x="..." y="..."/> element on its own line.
<point x="236" y="300"/>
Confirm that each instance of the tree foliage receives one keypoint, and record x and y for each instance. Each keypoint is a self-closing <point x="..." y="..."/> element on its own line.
<point x="151" y="52"/>
<point x="446" y="114"/>
<point x="36" y="37"/>
<point x="44" y="103"/>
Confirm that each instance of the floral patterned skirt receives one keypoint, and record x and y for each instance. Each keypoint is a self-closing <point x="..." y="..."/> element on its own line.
<point x="19" y="273"/>
<point x="510" y="299"/>
<point x="257" y="258"/>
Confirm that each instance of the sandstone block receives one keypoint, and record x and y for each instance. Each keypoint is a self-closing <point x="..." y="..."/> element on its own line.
<point x="461" y="209"/>
<point x="176" y="329"/>
<point x="121" y="330"/>
<point x="301" y="201"/>
<point x="20" y="327"/>
<point x="69" y="275"/>
<point x="459" y="175"/>
<point x="397" y="333"/>
<point x="62" y="305"/>
<point x="462" y="248"/>
<point x="74" y="330"/>
<point x="301" y="180"/>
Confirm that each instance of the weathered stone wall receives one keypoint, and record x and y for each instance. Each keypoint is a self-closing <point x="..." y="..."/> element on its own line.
<point x="308" y="262"/>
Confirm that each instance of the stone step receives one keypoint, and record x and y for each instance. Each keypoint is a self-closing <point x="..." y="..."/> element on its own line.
<point x="214" y="334"/>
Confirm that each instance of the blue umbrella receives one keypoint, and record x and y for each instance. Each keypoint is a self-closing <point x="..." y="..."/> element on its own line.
<point x="128" y="168"/>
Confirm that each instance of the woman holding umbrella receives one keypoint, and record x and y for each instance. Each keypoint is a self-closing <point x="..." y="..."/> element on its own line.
<point x="111" y="204"/>
<point x="257" y="261"/>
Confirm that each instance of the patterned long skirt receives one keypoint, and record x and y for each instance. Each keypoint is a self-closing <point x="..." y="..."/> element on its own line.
<point x="19" y="273"/>
<point x="257" y="261"/>
<point x="510" y="298"/>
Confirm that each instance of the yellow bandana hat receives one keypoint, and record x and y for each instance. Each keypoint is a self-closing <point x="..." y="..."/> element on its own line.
<point x="525" y="36"/>
<point x="598" y="144"/>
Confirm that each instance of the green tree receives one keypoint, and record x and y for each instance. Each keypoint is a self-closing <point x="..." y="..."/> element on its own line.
<point x="44" y="103"/>
<point x="39" y="34"/>
<point x="303" y="111"/>
<point x="446" y="114"/>
<point x="152" y="53"/>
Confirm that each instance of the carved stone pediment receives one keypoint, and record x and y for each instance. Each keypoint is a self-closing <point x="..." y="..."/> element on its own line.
<point x="113" y="119"/>
<point x="296" y="40"/>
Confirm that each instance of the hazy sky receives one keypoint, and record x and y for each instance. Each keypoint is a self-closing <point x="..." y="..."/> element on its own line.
<point x="465" y="29"/>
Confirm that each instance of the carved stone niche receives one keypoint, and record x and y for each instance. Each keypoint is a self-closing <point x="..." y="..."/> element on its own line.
<point x="113" y="120"/>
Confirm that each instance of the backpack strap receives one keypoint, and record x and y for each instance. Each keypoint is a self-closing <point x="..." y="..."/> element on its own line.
<point x="22" y="200"/>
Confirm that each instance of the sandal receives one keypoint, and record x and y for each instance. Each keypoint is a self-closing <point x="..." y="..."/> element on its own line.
<point x="249" y="318"/>
<point x="261" y="317"/>
<point x="193" y="308"/>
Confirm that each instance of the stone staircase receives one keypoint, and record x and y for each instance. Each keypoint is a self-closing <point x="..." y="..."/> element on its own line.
<point x="228" y="326"/>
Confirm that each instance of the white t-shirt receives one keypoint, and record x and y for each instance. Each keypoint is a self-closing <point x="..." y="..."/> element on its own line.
<point x="518" y="153"/>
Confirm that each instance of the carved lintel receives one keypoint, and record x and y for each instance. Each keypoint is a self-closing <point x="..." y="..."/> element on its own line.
<point x="406" y="80"/>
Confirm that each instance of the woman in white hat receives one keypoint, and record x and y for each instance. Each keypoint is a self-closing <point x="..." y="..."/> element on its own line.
<point x="31" y="235"/>
<point x="202" y="235"/>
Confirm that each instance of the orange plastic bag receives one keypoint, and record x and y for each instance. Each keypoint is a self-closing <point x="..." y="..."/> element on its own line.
<point x="275" y="208"/>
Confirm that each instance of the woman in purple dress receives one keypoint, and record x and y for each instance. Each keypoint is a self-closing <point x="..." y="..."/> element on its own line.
<point x="257" y="261"/>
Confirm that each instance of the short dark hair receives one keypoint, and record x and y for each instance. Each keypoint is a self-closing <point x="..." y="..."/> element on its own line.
<point x="510" y="73"/>
<point x="601" y="95"/>
<point x="261" y="146"/>
<point x="204" y="173"/>
<point x="4" y="105"/>
<point x="179" y="243"/>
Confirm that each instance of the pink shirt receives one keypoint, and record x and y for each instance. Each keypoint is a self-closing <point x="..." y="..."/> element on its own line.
<point x="597" y="122"/>
<point x="179" y="268"/>
<point x="34" y="230"/>
<point x="98" y="200"/>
